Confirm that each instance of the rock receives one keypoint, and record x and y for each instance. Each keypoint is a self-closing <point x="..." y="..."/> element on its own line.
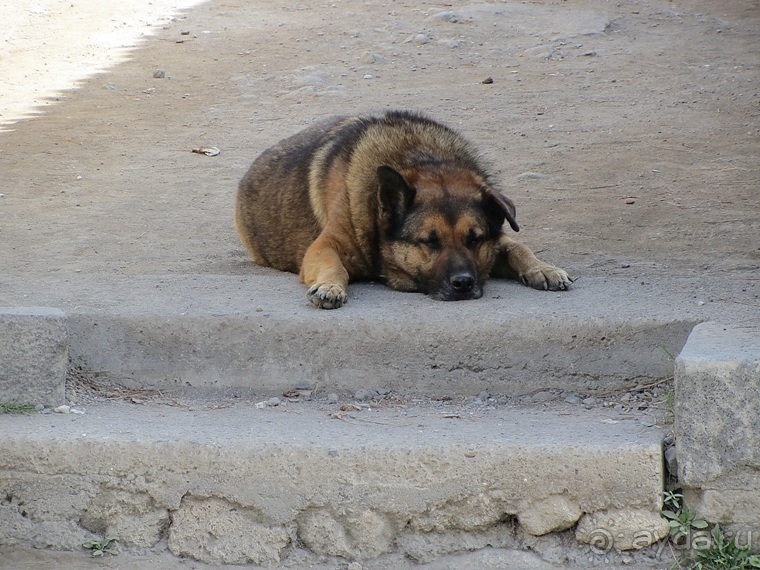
<point x="213" y="530"/>
<point x="62" y="409"/>
<point x="525" y="176"/>
<point x="453" y="44"/>
<point x="332" y="398"/>
<point x="39" y="407"/>
<point x="363" y="395"/>
<point x="541" y="397"/>
<point x="370" y="58"/>
<point x="621" y="530"/>
<point x="590" y="402"/>
<point x="304" y="386"/>
<point x="552" y="514"/>
<point x="446" y="16"/>
<point x="419" y="39"/>
<point x="159" y="74"/>
<point x="272" y="402"/>
<point x="354" y="534"/>
<point x="671" y="460"/>
<point x="573" y="399"/>
<point x="483" y="396"/>
<point x="540" y="52"/>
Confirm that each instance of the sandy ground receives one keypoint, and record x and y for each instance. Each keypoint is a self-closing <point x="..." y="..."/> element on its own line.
<point x="50" y="46"/>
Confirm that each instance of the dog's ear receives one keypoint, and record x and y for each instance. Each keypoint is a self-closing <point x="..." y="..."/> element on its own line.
<point x="498" y="208"/>
<point x="395" y="197"/>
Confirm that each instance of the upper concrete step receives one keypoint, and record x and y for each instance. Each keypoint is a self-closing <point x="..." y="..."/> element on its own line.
<point x="258" y="332"/>
<point x="277" y="485"/>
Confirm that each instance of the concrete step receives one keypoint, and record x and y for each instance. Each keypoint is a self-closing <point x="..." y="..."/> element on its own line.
<point x="259" y="334"/>
<point x="230" y="482"/>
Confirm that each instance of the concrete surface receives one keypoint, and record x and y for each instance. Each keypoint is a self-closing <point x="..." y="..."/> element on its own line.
<point x="717" y="409"/>
<point x="354" y="485"/>
<point x="34" y="355"/>
<point x="261" y="335"/>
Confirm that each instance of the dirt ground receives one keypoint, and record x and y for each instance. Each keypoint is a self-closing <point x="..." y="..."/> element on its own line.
<point x="627" y="134"/>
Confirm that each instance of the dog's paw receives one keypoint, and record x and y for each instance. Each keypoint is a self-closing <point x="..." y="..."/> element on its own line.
<point x="547" y="277"/>
<point x="327" y="296"/>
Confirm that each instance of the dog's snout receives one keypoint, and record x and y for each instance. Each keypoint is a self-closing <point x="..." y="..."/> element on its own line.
<point x="462" y="282"/>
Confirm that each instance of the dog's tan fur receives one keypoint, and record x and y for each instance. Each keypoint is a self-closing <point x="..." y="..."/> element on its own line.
<point x="398" y="197"/>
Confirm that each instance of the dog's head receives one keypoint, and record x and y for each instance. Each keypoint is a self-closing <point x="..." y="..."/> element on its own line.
<point x="439" y="230"/>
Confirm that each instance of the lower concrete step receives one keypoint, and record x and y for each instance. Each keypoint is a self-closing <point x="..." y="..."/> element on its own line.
<point x="236" y="483"/>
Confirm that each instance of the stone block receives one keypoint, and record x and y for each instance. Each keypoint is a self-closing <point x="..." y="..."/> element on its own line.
<point x="34" y="355"/>
<point x="552" y="514"/>
<point x="717" y="405"/>
<point x="621" y="529"/>
<point x="211" y="529"/>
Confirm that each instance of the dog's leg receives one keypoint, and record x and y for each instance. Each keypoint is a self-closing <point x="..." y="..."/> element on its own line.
<point x="323" y="272"/>
<point x="516" y="261"/>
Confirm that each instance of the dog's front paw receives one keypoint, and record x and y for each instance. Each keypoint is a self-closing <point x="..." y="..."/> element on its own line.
<point x="327" y="296"/>
<point x="547" y="277"/>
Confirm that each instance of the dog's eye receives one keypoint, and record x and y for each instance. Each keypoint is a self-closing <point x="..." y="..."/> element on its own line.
<point x="432" y="240"/>
<point x="474" y="239"/>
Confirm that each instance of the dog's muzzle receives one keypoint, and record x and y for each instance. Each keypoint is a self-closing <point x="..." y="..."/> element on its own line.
<point x="458" y="287"/>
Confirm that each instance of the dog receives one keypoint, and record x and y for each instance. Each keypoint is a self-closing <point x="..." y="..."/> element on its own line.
<point x="398" y="198"/>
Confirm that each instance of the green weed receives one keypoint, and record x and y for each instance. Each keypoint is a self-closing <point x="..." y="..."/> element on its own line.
<point x="102" y="547"/>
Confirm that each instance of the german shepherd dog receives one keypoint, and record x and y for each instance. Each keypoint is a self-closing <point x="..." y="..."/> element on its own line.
<point x="399" y="198"/>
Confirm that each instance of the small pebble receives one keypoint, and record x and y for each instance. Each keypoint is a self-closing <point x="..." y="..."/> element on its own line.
<point x="629" y="201"/>
<point x="159" y="74"/>
<point x="62" y="409"/>
<point x="272" y="402"/>
<point x="590" y="401"/>
<point x="483" y="396"/>
<point x="39" y="407"/>
<point x="542" y="397"/>
<point x="364" y="395"/>
<point x="487" y="81"/>
<point x="573" y="399"/>
<point x="671" y="460"/>
<point x="303" y="386"/>
<point x="626" y="397"/>
<point x="447" y="17"/>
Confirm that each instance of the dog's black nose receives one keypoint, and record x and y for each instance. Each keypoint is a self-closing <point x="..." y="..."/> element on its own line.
<point x="463" y="282"/>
